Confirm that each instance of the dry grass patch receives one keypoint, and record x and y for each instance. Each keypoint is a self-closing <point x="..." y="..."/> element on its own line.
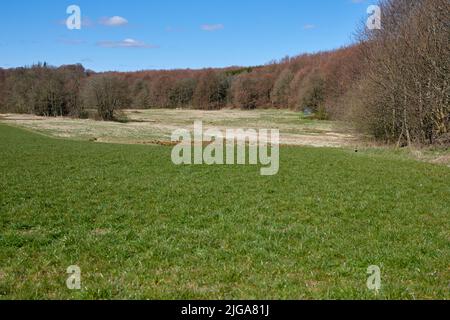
<point x="155" y="126"/>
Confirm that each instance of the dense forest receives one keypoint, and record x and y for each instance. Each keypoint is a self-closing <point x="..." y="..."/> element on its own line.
<point x="392" y="83"/>
<point x="308" y="81"/>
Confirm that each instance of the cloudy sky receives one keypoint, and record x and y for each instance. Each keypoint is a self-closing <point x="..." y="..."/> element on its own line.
<point x="151" y="34"/>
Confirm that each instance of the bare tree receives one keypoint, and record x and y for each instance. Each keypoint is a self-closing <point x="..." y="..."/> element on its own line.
<point x="406" y="88"/>
<point x="211" y="91"/>
<point x="281" y="90"/>
<point x="106" y="93"/>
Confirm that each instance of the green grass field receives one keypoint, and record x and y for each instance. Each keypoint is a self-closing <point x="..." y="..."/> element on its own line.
<point x="140" y="227"/>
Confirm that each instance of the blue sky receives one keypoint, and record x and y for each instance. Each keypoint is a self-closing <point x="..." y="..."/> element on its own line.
<point x="148" y="34"/>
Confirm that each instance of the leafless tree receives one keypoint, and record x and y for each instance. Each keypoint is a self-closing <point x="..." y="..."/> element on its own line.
<point x="406" y="88"/>
<point x="106" y="93"/>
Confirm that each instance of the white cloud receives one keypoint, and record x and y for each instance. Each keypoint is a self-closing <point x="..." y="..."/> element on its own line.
<point x="212" y="27"/>
<point x="115" y="21"/>
<point x="127" y="43"/>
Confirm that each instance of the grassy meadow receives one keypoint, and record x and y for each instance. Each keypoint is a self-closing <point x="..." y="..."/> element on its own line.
<point x="150" y="125"/>
<point x="140" y="227"/>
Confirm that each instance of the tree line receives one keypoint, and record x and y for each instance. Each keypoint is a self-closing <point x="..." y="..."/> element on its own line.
<point x="404" y="94"/>
<point x="308" y="81"/>
<point x="392" y="83"/>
